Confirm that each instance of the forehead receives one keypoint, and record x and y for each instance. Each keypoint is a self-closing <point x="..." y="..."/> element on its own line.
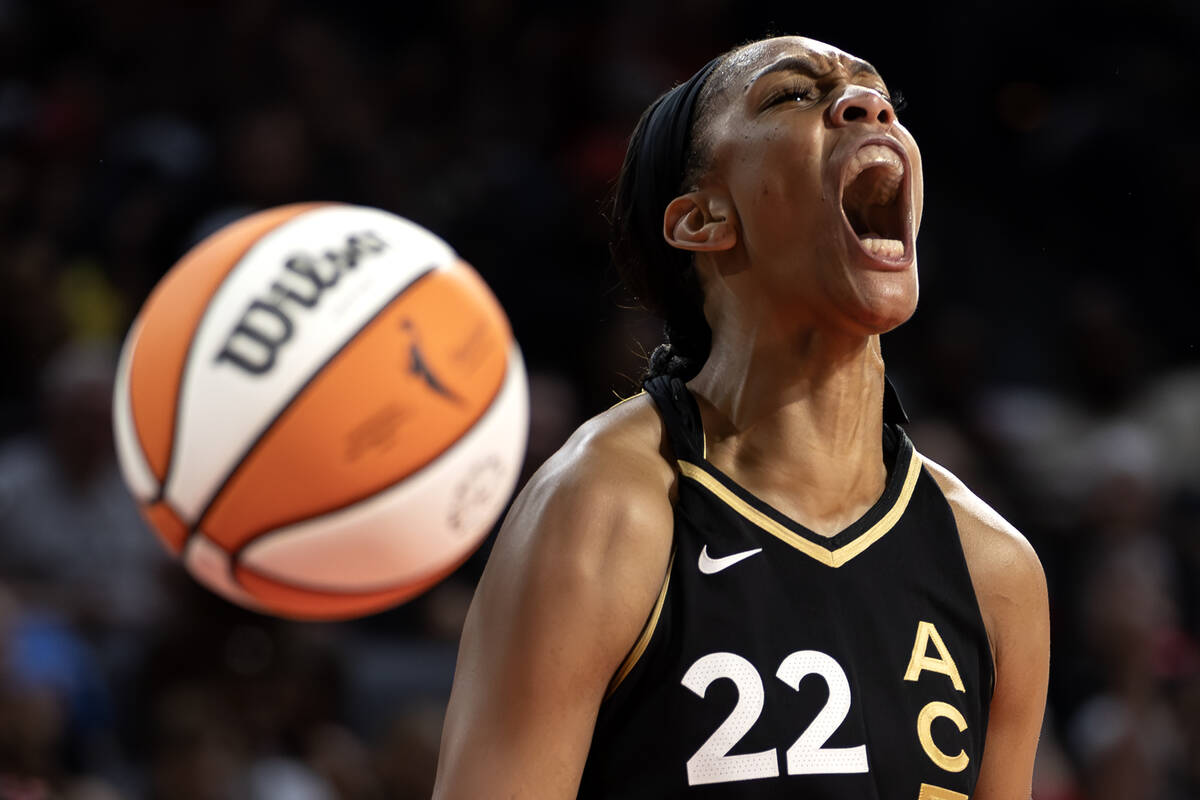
<point x="747" y="62"/>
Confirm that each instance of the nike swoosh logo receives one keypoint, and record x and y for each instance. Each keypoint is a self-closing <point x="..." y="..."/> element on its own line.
<point x="710" y="565"/>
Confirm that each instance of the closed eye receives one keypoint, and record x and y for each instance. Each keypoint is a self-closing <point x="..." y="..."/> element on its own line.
<point x="796" y="92"/>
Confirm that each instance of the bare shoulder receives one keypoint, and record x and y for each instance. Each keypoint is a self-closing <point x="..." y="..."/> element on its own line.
<point x="611" y="477"/>
<point x="629" y="436"/>
<point x="1008" y="577"/>
<point x="571" y="580"/>
<point x="594" y="524"/>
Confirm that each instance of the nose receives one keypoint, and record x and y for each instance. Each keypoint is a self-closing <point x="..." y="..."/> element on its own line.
<point x="860" y="104"/>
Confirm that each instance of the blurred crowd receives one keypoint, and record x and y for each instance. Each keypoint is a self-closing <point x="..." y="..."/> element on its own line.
<point x="1053" y="364"/>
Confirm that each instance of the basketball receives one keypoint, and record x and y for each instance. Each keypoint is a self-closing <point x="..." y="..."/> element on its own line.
<point x="321" y="410"/>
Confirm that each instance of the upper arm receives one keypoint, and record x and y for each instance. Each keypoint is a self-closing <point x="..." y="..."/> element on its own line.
<point x="574" y="574"/>
<point x="1011" y="589"/>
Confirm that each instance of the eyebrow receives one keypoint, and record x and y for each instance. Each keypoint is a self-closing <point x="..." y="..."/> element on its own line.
<point x="810" y="67"/>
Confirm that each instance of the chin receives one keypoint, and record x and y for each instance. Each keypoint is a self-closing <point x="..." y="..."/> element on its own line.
<point x="886" y="304"/>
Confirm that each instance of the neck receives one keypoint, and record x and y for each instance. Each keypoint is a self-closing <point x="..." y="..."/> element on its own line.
<point x="797" y="419"/>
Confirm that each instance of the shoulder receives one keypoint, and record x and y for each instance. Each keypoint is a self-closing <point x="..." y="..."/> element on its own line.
<point x="990" y="542"/>
<point x="612" y="474"/>
<point x="572" y="578"/>
<point x="591" y="532"/>
<point x="1009" y="581"/>
<point x="1011" y="591"/>
<point x="625" y="444"/>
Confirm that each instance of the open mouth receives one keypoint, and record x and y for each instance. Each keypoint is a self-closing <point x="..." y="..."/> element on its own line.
<point x="873" y="203"/>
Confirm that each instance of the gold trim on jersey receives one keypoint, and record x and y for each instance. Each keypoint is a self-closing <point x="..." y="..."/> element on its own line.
<point x="624" y="400"/>
<point x="830" y="558"/>
<point x="938" y="793"/>
<point x="643" y="640"/>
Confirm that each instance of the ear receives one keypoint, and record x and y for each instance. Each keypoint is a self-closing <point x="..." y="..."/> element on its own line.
<point x="700" y="222"/>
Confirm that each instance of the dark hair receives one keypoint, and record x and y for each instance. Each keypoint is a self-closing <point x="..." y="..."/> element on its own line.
<point x="664" y="158"/>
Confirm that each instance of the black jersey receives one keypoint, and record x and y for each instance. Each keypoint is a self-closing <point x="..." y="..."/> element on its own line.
<point x="778" y="663"/>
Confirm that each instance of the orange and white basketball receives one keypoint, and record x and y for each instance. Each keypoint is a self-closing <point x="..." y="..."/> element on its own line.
<point x="321" y="410"/>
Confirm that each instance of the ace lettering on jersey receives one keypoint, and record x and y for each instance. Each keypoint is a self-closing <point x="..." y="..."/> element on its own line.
<point x="809" y="753"/>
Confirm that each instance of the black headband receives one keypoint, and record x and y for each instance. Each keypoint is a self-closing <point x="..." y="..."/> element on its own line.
<point x="661" y="147"/>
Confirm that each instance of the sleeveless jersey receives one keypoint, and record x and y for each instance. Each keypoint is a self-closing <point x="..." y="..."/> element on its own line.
<point x="778" y="663"/>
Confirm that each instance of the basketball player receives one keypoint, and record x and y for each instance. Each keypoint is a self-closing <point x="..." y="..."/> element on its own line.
<point x="745" y="582"/>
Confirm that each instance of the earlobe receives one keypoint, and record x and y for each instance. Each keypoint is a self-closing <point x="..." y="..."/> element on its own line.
<point x="692" y="222"/>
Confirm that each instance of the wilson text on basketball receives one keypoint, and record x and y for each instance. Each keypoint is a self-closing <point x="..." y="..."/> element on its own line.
<point x="268" y="321"/>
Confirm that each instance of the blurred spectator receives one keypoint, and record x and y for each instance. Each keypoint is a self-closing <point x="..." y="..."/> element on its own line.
<point x="66" y="518"/>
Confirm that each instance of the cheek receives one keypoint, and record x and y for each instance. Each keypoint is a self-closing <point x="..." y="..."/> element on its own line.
<point x="776" y="187"/>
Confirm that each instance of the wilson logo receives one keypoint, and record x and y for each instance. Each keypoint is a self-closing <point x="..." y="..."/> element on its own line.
<point x="270" y="319"/>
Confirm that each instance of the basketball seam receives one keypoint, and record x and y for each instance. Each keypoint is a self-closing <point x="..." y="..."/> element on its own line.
<point x="284" y="407"/>
<point x="243" y="259"/>
<point x="301" y="587"/>
<point x="166" y="503"/>
<point x="186" y="556"/>
<point x="236" y="555"/>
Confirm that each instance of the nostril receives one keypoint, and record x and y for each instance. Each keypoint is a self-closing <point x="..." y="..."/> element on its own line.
<point x="859" y="104"/>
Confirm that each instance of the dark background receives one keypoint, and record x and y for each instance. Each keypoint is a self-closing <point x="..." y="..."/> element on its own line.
<point x="1052" y="364"/>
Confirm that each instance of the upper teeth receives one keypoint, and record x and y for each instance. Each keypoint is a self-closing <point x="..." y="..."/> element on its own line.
<point x="878" y="155"/>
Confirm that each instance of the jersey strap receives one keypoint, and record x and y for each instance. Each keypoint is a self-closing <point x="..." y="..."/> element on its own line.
<point x="893" y="411"/>
<point x="680" y="415"/>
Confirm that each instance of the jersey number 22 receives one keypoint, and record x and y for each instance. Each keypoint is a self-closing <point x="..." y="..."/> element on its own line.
<point x="806" y="756"/>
